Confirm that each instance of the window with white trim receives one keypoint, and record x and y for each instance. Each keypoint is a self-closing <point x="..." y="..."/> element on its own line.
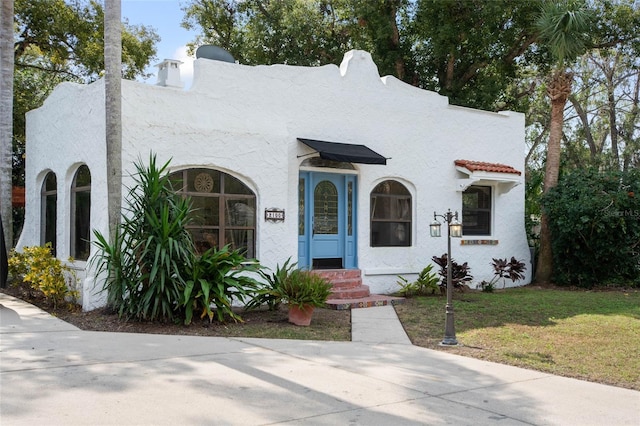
<point x="476" y="210"/>
<point x="81" y="214"/>
<point x="48" y="212"/>
<point x="391" y="215"/>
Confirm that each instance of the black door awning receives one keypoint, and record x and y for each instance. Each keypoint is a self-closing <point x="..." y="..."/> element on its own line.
<point x="345" y="152"/>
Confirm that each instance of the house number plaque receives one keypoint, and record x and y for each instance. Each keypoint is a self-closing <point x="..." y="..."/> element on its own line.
<point x="274" y="215"/>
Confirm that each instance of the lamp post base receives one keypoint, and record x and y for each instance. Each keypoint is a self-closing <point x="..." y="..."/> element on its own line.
<point x="449" y="341"/>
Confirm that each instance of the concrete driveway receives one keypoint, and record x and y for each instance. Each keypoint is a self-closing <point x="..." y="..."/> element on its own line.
<point x="52" y="373"/>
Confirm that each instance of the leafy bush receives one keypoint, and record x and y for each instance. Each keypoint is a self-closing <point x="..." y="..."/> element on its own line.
<point x="427" y="283"/>
<point x="43" y="272"/>
<point x="460" y="273"/>
<point x="151" y="251"/>
<point x="304" y="288"/>
<point x="217" y="277"/>
<point x="502" y="268"/>
<point x="269" y="293"/>
<point x="152" y="269"/>
<point x="594" y="219"/>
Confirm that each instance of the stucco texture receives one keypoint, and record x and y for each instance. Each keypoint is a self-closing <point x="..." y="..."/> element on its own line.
<point x="245" y="121"/>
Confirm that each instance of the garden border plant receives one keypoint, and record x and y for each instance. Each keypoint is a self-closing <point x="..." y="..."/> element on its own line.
<point x="506" y="269"/>
<point x="460" y="273"/>
<point x="270" y="291"/>
<point x="152" y="270"/>
<point x="218" y="277"/>
<point x="426" y="283"/>
<point x="145" y="265"/>
<point x="44" y="273"/>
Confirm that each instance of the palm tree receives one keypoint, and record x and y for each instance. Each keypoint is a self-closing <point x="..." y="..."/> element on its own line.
<point x="563" y="28"/>
<point x="113" y="108"/>
<point x="6" y="119"/>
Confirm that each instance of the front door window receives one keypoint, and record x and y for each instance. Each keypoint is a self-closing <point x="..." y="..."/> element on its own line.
<point x="325" y="203"/>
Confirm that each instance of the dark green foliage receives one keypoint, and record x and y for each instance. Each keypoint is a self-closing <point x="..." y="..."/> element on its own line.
<point x="269" y="293"/>
<point x="304" y="288"/>
<point x="66" y="37"/>
<point x="467" y="50"/>
<point x="470" y="47"/>
<point x="595" y="226"/>
<point x="152" y="269"/>
<point x="459" y="272"/>
<point x="217" y="278"/>
<point x="427" y="283"/>
<point x="146" y="261"/>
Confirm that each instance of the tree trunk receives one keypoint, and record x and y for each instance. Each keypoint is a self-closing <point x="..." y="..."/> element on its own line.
<point x="6" y="120"/>
<point x="588" y="136"/>
<point x="613" y="122"/>
<point x="631" y="154"/>
<point x="395" y="40"/>
<point x="558" y="91"/>
<point x="113" y="109"/>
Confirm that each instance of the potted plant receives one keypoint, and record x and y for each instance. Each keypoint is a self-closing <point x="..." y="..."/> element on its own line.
<point x="303" y="291"/>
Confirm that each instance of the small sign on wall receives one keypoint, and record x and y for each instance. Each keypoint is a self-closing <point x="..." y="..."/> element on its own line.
<point x="479" y="242"/>
<point x="274" y="215"/>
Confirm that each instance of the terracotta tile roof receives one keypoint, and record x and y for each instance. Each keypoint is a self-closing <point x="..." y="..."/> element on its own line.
<point x="479" y="166"/>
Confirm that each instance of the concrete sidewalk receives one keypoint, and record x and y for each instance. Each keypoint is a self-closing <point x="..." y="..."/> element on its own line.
<point x="55" y="374"/>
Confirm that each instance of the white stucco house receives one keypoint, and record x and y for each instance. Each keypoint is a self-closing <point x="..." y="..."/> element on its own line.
<point x="334" y="167"/>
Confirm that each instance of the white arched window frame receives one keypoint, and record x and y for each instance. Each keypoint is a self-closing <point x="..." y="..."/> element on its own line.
<point x="49" y="211"/>
<point x="80" y="225"/>
<point x="391" y="215"/>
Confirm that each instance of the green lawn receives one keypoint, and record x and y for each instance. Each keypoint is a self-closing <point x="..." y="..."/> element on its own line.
<point x="591" y="335"/>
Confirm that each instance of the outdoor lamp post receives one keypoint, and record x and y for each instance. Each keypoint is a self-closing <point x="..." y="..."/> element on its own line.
<point x="454" y="229"/>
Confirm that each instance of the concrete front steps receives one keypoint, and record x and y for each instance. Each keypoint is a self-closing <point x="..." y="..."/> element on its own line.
<point x="348" y="292"/>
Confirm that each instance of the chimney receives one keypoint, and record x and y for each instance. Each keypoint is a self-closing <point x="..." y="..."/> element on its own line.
<point x="169" y="73"/>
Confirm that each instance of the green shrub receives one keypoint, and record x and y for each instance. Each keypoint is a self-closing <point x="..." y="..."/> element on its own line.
<point x="217" y="278"/>
<point x="269" y="292"/>
<point x="43" y="272"/>
<point x="594" y="219"/>
<point x="145" y="263"/>
<point x="427" y="283"/>
<point x="151" y="268"/>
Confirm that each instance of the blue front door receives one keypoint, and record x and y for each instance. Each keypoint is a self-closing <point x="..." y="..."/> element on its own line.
<point x="327" y="229"/>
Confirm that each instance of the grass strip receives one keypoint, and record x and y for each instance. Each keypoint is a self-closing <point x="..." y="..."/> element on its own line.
<point x="590" y="335"/>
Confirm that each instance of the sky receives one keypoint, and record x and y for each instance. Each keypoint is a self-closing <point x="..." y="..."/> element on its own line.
<point x="165" y="17"/>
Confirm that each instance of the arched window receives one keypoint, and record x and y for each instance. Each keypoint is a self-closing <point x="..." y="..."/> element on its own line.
<point x="225" y="209"/>
<point x="81" y="214"/>
<point x="48" y="213"/>
<point x="390" y="215"/>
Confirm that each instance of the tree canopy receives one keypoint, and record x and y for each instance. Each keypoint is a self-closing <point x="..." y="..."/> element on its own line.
<point x="67" y="38"/>
<point x="467" y="50"/>
<point x="56" y="41"/>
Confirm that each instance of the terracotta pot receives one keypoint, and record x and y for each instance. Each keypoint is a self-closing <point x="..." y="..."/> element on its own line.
<point x="300" y="316"/>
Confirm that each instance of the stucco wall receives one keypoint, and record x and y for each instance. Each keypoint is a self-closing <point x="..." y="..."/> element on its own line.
<point x="245" y="120"/>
